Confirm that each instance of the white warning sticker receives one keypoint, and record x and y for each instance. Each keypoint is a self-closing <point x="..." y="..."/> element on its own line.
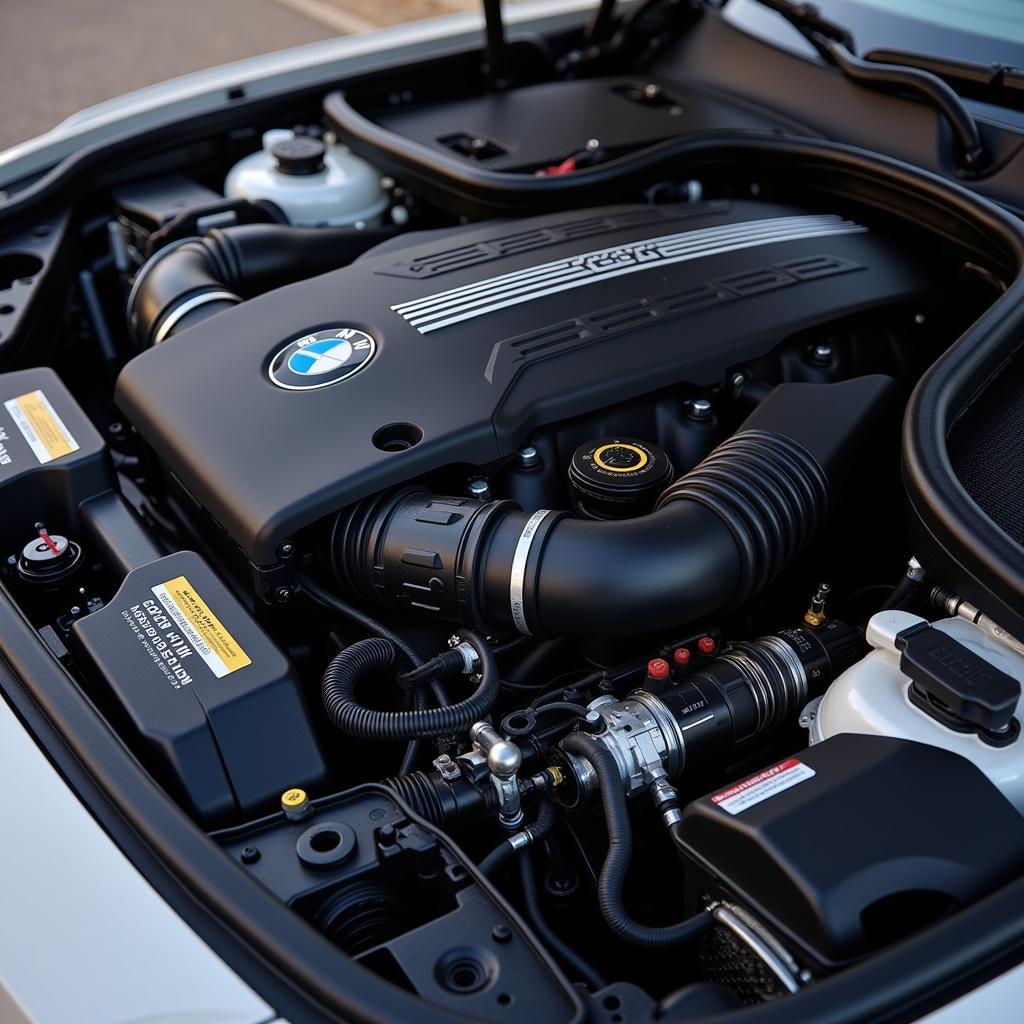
<point x="763" y="785"/>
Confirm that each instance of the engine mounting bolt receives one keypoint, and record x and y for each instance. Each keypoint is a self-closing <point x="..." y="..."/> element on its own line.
<point x="821" y="355"/>
<point x="283" y="594"/>
<point x="681" y="656"/>
<point x="738" y="379"/>
<point x="501" y="933"/>
<point x="706" y="645"/>
<point x="478" y="488"/>
<point x="699" y="409"/>
<point x="249" y="855"/>
<point x="528" y="457"/>
<point x="658" y="668"/>
<point x="285" y="549"/>
<point x="592" y="145"/>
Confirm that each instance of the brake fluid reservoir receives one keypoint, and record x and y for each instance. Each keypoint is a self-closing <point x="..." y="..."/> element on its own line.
<point x="952" y="684"/>
<point x="312" y="182"/>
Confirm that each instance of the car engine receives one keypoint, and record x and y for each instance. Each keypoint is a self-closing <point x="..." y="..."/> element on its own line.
<point x="519" y="584"/>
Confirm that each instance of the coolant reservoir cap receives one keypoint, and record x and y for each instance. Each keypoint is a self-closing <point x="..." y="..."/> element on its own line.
<point x="618" y="477"/>
<point x="312" y="181"/>
<point x="299" y="155"/>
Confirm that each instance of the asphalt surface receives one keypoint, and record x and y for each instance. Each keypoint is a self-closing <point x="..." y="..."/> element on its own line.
<point x="58" y="56"/>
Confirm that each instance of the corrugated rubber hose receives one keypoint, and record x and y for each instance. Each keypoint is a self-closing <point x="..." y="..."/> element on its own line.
<point x="379" y="655"/>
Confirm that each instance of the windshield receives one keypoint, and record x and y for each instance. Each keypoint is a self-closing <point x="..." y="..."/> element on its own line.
<point x="997" y="19"/>
<point x="976" y="30"/>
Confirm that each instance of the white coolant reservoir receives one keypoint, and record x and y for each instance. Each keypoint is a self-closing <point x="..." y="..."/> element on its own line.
<point x="313" y="182"/>
<point x="952" y="683"/>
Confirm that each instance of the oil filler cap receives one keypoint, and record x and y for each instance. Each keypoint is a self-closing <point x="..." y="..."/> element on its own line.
<point x="618" y="477"/>
<point x="956" y="687"/>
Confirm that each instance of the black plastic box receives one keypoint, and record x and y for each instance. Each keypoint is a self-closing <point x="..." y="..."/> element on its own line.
<point x="215" y="705"/>
<point x="854" y="842"/>
<point x="51" y="457"/>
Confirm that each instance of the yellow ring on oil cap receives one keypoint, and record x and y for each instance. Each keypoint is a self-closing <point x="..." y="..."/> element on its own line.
<point x="644" y="458"/>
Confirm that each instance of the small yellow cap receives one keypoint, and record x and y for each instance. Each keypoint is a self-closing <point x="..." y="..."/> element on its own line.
<point x="295" y="803"/>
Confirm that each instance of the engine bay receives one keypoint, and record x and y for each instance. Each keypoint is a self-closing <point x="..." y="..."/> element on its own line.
<point x="521" y="584"/>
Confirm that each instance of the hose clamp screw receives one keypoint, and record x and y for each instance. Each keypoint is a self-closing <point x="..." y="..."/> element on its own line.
<point x="447" y="768"/>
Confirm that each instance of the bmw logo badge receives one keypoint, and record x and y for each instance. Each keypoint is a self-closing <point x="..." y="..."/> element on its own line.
<point x="321" y="359"/>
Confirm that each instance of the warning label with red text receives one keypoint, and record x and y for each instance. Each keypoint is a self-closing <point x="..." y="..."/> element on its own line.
<point x="763" y="785"/>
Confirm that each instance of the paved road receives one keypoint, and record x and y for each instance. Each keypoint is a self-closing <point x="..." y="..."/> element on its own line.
<point x="58" y="56"/>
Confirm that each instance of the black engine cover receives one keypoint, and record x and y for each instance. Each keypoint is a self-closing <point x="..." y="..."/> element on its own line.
<point x="453" y="350"/>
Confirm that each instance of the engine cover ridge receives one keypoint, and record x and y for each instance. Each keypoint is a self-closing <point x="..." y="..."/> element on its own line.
<point x="432" y="351"/>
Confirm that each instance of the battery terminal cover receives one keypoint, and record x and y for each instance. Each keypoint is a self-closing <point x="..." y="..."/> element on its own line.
<point x="213" y="703"/>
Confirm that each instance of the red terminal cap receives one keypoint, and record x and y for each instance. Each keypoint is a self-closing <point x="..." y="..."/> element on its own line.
<point x="706" y="645"/>
<point x="681" y="656"/>
<point x="657" y="668"/>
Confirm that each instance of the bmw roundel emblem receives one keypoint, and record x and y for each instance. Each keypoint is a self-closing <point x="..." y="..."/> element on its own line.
<point x="321" y="359"/>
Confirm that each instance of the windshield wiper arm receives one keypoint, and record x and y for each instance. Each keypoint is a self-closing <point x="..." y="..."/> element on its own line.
<point x="834" y="44"/>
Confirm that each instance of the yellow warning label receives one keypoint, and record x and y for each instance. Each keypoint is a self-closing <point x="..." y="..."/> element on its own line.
<point x="41" y="427"/>
<point x="213" y="643"/>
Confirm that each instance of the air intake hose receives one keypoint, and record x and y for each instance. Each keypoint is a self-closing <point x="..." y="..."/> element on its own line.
<point x="719" y="534"/>
<point x="198" y="277"/>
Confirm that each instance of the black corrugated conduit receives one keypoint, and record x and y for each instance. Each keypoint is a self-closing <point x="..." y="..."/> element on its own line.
<point x="379" y="655"/>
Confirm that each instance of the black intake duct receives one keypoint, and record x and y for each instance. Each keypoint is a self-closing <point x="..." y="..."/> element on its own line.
<point x="198" y="277"/>
<point x="719" y="534"/>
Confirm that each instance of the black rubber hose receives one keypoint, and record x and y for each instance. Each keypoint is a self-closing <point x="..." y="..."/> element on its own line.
<point x="719" y="534"/>
<point x="931" y="88"/>
<point x="569" y="957"/>
<point x="379" y="655"/>
<point x="537" y="830"/>
<point x="722" y="532"/>
<point x="188" y="282"/>
<point x="620" y="851"/>
<point x="348" y="611"/>
<point x="444" y="664"/>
